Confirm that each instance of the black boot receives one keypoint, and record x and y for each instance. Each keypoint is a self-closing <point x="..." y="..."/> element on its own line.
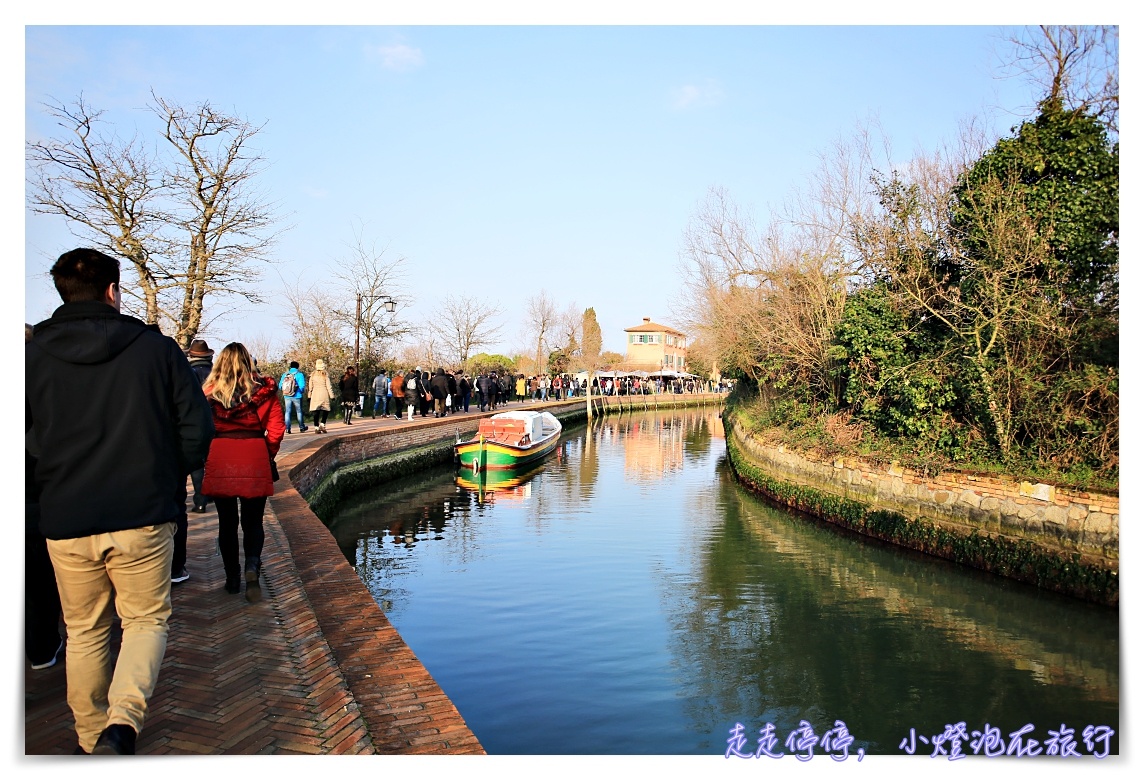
<point x="253" y="588"/>
<point x="233" y="573"/>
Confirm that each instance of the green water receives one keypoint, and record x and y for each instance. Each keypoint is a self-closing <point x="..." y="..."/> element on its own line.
<point x="628" y="597"/>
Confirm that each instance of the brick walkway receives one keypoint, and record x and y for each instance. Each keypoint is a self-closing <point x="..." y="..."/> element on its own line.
<point x="315" y="667"/>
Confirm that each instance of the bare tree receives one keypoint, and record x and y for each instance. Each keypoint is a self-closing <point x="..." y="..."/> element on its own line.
<point x="425" y="351"/>
<point x="468" y="325"/>
<point x="225" y="218"/>
<point x="371" y="272"/>
<point x="1076" y="65"/>
<point x="316" y="327"/>
<point x="568" y="334"/>
<point x="190" y="225"/>
<point x="267" y="351"/>
<point x="541" y="316"/>
<point x="109" y="192"/>
<point x="770" y="301"/>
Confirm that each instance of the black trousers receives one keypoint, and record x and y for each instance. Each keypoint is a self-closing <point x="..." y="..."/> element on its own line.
<point x="253" y="537"/>
<point x="41" y="596"/>
<point x="197" y="480"/>
<point x="179" y="558"/>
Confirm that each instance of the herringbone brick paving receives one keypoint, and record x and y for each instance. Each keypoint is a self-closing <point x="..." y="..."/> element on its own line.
<point x="315" y="667"/>
<point x="237" y="677"/>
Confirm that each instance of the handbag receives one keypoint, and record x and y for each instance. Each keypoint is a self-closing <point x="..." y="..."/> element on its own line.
<point x="273" y="470"/>
<point x="449" y="400"/>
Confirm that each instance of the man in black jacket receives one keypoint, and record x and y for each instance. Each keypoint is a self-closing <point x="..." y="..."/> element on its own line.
<point x="439" y="389"/>
<point x="109" y="470"/>
<point x="483" y="386"/>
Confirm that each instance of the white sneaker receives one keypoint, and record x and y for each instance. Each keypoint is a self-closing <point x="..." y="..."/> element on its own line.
<point x="52" y="661"/>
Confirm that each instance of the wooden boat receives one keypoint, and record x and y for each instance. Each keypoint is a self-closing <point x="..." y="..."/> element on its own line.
<point x="509" y="440"/>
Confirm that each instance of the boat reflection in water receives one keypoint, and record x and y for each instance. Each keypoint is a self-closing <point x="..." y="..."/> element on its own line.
<point x="499" y="484"/>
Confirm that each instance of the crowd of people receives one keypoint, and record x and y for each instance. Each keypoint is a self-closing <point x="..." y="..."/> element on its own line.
<point x="413" y="392"/>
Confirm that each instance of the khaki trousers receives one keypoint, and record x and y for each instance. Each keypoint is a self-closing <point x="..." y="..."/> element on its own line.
<point x="134" y="566"/>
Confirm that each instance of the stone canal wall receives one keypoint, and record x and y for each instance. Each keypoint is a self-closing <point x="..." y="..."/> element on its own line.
<point x="1055" y="538"/>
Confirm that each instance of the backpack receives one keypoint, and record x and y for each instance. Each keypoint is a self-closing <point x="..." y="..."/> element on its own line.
<point x="289" y="383"/>
<point x="411" y="384"/>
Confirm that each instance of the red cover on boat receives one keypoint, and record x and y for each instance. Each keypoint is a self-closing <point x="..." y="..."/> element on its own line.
<point x="508" y="431"/>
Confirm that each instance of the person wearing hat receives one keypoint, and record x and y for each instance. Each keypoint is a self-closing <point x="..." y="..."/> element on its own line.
<point x="320" y="390"/>
<point x="200" y="357"/>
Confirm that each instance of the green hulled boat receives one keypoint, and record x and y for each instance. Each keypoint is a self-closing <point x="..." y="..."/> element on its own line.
<point x="509" y="440"/>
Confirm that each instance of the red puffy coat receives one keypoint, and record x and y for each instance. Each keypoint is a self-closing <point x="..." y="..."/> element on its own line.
<point x="247" y="437"/>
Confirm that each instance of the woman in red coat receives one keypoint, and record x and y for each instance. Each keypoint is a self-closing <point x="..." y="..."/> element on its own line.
<point x="249" y="427"/>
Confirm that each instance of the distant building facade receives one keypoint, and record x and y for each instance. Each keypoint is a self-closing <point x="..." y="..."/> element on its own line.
<point x="654" y="347"/>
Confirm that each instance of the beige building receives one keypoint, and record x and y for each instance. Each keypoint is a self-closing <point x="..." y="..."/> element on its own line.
<point x="654" y="347"/>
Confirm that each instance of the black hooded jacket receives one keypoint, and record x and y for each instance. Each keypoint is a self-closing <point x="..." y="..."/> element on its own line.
<point x="439" y="385"/>
<point x="116" y="419"/>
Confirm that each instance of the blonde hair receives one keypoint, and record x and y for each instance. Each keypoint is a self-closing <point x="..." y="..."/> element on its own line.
<point x="232" y="380"/>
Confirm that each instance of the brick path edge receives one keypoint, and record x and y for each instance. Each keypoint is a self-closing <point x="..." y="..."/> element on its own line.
<point x="387" y="680"/>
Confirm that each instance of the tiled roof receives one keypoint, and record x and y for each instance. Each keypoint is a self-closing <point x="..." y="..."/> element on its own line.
<point x="651" y="327"/>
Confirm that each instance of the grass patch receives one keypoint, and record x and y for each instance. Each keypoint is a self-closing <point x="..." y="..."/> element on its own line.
<point x="828" y="435"/>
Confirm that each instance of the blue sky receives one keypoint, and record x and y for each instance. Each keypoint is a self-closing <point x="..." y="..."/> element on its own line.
<point x="502" y="160"/>
<point x="505" y="160"/>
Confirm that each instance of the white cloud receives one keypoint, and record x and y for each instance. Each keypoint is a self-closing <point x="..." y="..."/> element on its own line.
<point x="397" y="57"/>
<point x="705" y="93"/>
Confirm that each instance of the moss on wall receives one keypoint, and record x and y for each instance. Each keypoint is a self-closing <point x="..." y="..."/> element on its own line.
<point x="1018" y="559"/>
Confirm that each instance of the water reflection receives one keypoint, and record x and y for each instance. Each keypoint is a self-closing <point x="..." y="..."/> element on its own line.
<point x="629" y="597"/>
<point x="500" y="484"/>
<point x="789" y="618"/>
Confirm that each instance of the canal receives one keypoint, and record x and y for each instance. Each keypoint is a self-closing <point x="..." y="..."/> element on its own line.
<point x="629" y="597"/>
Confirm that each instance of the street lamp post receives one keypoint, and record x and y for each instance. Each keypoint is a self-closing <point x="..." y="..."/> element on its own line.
<point x="390" y="306"/>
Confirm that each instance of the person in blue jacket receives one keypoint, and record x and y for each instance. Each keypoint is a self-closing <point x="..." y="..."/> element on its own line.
<point x="292" y="390"/>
